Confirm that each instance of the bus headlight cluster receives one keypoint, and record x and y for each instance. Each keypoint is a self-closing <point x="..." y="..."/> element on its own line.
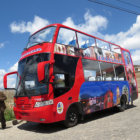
<point x="43" y="103"/>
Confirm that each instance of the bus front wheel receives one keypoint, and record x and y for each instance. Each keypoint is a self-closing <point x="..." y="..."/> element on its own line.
<point x="71" y="118"/>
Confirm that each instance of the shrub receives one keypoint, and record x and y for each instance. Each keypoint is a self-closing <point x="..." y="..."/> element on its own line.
<point x="9" y="114"/>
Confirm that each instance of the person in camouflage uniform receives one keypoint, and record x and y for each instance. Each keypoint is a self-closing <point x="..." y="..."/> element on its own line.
<point x="2" y="108"/>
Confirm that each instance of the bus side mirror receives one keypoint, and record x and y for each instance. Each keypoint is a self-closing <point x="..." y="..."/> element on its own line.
<point x="5" y="79"/>
<point x="43" y="72"/>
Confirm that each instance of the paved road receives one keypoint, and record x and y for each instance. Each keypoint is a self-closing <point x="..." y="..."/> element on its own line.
<point x="103" y="125"/>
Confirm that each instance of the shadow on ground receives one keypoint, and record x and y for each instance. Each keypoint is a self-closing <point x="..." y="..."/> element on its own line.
<point x="6" y="128"/>
<point x="103" y="113"/>
<point x="55" y="127"/>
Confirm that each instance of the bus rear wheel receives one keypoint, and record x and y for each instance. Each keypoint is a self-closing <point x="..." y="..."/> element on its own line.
<point x="122" y="104"/>
<point x="71" y="118"/>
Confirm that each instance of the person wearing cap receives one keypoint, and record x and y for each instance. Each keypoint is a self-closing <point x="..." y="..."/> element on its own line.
<point x="2" y="108"/>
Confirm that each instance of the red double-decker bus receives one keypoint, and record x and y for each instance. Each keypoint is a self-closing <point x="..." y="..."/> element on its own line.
<point x="64" y="74"/>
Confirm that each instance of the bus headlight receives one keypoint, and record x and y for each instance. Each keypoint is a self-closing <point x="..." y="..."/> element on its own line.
<point x="43" y="103"/>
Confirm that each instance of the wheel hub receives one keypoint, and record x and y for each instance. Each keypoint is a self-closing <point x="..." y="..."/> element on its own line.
<point x="73" y="117"/>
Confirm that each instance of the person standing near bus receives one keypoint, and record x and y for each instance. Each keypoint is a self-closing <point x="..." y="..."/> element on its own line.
<point x="2" y="108"/>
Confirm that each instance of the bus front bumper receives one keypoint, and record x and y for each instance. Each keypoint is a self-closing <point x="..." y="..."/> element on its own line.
<point x="40" y="114"/>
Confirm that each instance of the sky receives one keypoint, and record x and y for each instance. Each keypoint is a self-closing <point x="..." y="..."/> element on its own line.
<point x="20" y="18"/>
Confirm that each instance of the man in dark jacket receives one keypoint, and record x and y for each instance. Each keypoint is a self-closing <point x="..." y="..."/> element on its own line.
<point x="2" y="108"/>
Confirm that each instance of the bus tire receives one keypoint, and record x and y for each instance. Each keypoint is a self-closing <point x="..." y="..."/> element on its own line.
<point x="72" y="117"/>
<point x="123" y="105"/>
<point x="131" y="102"/>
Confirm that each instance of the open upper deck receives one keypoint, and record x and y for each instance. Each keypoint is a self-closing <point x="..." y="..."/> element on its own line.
<point x="73" y="42"/>
<point x="69" y="41"/>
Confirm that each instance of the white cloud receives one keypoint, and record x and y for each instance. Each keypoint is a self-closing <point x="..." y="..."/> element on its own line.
<point x="129" y="39"/>
<point x="14" y="67"/>
<point x="1" y="45"/>
<point x="92" y="24"/>
<point x="29" y="26"/>
<point x="11" y="79"/>
<point x="136" y="57"/>
<point x="2" y="72"/>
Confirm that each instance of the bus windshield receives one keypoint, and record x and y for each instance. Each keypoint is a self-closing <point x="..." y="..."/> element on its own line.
<point x="27" y="80"/>
<point x="45" y="35"/>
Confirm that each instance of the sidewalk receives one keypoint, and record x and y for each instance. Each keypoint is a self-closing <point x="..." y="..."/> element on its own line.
<point x="12" y="123"/>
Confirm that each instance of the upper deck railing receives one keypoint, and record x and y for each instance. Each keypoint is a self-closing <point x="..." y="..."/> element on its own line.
<point x="76" y="43"/>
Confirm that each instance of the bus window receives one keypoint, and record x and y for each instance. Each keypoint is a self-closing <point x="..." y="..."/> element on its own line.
<point x="107" y="71"/>
<point x="91" y="70"/>
<point x="102" y="44"/>
<point x="64" y="72"/>
<point x="85" y="41"/>
<point x="120" y="73"/>
<point x="67" y="37"/>
<point x="59" y="81"/>
<point x="45" y="35"/>
<point x="115" y="49"/>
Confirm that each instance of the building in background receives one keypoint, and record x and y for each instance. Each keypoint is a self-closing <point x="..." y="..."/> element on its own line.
<point x="137" y="68"/>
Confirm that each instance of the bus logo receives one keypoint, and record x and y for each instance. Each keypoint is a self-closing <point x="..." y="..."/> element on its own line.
<point x="30" y="52"/>
<point x="60" y="108"/>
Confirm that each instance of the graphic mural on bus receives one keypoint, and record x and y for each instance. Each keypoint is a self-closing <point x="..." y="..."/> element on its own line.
<point x="130" y="75"/>
<point x="93" y="52"/>
<point x="102" y="94"/>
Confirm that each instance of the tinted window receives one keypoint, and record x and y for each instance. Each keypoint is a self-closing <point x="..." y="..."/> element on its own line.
<point x="91" y="70"/>
<point x="27" y="80"/>
<point x="64" y="72"/>
<point x="120" y="73"/>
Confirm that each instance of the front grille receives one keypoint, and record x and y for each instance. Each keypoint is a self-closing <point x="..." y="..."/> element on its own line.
<point x="24" y="114"/>
<point x="24" y="107"/>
